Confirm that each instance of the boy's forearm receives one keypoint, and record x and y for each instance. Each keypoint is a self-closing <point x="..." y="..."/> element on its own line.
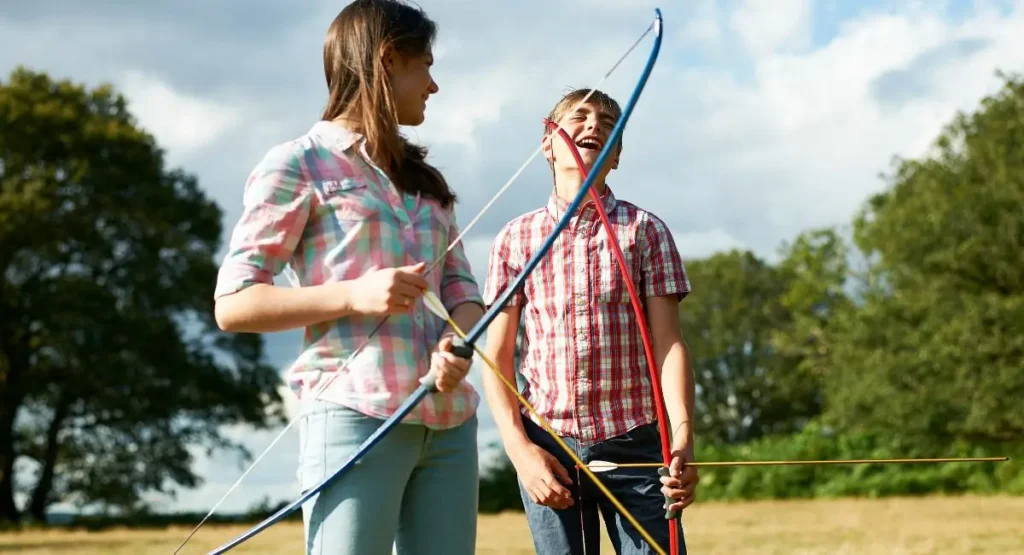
<point x="503" y="403"/>
<point x="673" y="358"/>
<point x="678" y="388"/>
<point x="505" y="409"/>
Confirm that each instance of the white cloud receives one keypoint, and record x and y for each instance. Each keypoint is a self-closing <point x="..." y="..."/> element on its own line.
<point x="465" y="103"/>
<point x="769" y="26"/>
<point x="702" y="244"/>
<point x="180" y="122"/>
<point x="703" y="30"/>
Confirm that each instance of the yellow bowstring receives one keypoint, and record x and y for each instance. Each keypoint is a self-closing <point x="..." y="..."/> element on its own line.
<point x="547" y="428"/>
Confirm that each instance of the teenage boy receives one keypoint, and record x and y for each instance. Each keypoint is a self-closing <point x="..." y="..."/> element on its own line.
<point x="583" y="360"/>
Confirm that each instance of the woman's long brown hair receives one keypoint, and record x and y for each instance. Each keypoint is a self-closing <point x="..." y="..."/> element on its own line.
<point x="359" y="90"/>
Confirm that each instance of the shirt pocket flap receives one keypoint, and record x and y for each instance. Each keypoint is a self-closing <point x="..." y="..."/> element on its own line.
<point x="334" y="187"/>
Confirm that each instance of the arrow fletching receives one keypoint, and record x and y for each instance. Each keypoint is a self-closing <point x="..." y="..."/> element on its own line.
<point x="435" y="305"/>
<point x="601" y="466"/>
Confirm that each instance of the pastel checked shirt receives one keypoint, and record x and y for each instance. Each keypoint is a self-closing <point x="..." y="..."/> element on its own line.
<point x="584" y="357"/>
<point x="316" y="209"/>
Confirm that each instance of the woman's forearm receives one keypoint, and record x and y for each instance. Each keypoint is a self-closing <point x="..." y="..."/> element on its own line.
<point x="466" y="315"/>
<point x="263" y="308"/>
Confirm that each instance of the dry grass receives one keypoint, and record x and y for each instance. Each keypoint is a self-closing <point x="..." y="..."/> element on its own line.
<point x="958" y="525"/>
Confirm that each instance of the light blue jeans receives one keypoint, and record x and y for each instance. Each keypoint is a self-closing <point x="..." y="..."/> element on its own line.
<point x="417" y="489"/>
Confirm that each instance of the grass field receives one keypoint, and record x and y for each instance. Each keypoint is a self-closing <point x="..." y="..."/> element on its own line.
<point x="959" y="525"/>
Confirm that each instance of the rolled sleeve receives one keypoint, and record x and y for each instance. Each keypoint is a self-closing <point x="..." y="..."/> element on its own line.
<point x="662" y="271"/>
<point x="458" y="285"/>
<point x="500" y="270"/>
<point x="275" y="207"/>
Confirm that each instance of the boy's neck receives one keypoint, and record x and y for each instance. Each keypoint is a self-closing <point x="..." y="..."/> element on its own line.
<point x="568" y="183"/>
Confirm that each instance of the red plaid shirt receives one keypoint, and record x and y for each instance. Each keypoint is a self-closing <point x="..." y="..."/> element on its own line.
<point x="583" y="359"/>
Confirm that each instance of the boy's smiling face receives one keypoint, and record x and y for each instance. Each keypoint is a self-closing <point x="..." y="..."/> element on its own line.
<point x="589" y="127"/>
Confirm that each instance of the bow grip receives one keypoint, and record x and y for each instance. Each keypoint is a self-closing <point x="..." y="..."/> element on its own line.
<point x="669" y="515"/>
<point x="461" y="350"/>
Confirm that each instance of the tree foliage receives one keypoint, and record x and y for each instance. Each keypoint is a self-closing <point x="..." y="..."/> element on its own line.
<point x="759" y="336"/>
<point x="111" y="367"/>
<point x="727" y="322"/>
<point x="937" y="344"/>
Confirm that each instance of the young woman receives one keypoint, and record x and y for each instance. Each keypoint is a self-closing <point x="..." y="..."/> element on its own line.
<point x="354" y="215"/>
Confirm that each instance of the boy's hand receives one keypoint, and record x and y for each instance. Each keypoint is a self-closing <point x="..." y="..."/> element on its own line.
<point x="542" y="476"/>
<point x="450" y="369"/>
<point x="681" y="484"/>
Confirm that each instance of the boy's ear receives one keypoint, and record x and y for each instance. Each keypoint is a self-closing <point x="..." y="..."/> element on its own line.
<point x="545" y="142"/>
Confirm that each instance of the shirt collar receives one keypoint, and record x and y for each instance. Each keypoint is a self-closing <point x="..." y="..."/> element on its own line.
<point x="557" y="207"/>
<point x="335" y="134"/>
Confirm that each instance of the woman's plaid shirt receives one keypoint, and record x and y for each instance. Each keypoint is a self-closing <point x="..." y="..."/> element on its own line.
<point x="315" y="209"/>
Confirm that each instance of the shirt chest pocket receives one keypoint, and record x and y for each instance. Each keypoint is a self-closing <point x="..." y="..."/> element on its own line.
<point x="348" y="200"/>
<point x="609" y="283"/>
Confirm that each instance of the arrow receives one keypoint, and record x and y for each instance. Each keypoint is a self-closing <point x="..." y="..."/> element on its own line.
<point x="605" y="466"/>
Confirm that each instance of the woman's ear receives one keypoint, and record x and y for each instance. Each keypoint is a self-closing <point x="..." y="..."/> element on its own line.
<point x="388" y="59"/>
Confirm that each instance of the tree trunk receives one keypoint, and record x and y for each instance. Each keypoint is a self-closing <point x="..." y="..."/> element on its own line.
<point x="44" y="487"/>
<point x="13" y="364"/>
<point x="10" y="400"/>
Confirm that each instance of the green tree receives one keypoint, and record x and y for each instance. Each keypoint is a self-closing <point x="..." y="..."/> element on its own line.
<point x="727" y="323"/>
<point x="938" y="342"/>
<point x="111" y="366"/>
<point x="816" y="272"/>
<point x="759" y="335"/>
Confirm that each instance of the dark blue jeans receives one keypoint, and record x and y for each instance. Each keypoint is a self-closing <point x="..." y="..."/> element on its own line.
<point x="563" y="532"/>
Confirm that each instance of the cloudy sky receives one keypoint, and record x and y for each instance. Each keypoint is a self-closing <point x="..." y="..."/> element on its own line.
<point x="762" y="118"/>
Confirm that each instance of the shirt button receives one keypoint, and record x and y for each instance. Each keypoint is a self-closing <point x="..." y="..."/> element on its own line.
<point x="581" y="301"/>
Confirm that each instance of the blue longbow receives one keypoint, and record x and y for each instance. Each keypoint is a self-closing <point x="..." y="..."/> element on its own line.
<point x="465" y="348"/>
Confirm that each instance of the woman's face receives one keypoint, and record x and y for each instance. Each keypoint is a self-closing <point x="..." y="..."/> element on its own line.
<point x="411" y="85"/>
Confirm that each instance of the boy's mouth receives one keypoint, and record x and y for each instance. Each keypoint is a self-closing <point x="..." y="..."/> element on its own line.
<point x="592" y="144"/>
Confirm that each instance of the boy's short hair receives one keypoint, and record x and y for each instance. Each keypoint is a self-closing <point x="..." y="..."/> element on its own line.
<point x="574" y="96"/>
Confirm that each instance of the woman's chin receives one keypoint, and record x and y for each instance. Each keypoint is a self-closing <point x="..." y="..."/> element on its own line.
<point x="412" y="120"/>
